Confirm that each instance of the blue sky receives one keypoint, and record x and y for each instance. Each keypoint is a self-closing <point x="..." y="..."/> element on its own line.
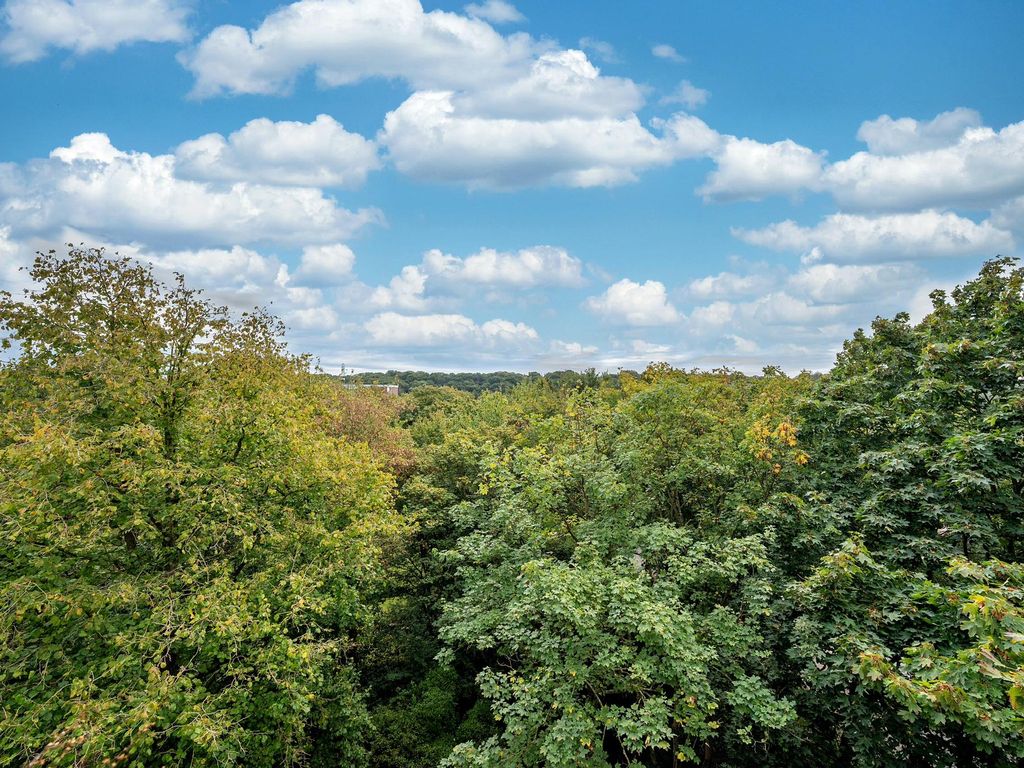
<point x="530" y="186"/>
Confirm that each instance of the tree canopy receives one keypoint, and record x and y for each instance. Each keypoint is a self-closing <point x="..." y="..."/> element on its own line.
<point x="214" y="556"/>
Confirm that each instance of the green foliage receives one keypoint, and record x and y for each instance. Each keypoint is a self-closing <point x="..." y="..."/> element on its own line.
<point x="611" y="584"/>
<point x="978" y="682"/>
<point x="213" y="556"/>
<point x="185" y="534"/>
<point x="917" y="480"/>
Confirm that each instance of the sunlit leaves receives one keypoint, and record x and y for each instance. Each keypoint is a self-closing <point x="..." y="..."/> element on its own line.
<point x="188" y="528"/>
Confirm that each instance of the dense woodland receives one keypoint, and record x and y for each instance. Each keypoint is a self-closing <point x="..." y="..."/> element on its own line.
<point x="212" y="556"/>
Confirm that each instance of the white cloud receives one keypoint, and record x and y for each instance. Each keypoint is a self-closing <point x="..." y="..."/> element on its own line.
<point x="570" y="350"/>
<point x="832" y="283"/>
<point x="506" y="112"/>
<point x="886" y="136"/>
<point x="488" y="111"/>
<point x="982" y="168"/>
<point x="345" y="41"/>
<point x="637" y="304"/>
<point x="717" y="313"/>
<point x="1010" y="215"/>
<point x="742" y="345"/>
<point x="13" y="256"/>
<point x="442" y="275"/>
<point x="89" y="146"/>
<point x="313" y="318"/>
<point x="920" y="303"/>
<point x="727" y="285"/>
<point x="667" y="52"/>
<point x="781" y="326"/>
<point x="782" y="308"/>
<point x="750" y="170"/>
<point x="947" y="162"/>
<point x="797" y="319"/>
<point x="636" y="354"/>
<point x="848" y="237"/>
<point x="427" y="139"/>
<point x="507" y="332"/>
<point x="241" y="277"/>
<point x="641" y="347"/>
<point x="405" y="291"/>
<point x="559" y="84"/>
<point x="33" y="27"/>
<point x="392" y="329"/>
<point x="495" y="11"/>
<point x="687" y="94"/>
<point x="316" y="154"/>
<point x="525" y="268"/>
<point x="326" y="264"/>
<point x="134" y="196"/>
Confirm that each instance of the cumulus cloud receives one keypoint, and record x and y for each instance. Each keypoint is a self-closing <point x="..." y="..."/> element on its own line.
<point x="687" y="94"/>
<point x="326" y="264"/>
<point x="797" y="318"/>
<point x="13" y="256"/>
<point x="769" y="321"/>
<point x="667" y="52"/>
<point x="717" y="313"/>
<point x="405" y="291"/>
<point x="561" y="123"/>
<point x="393" y="329"/>
<point x="134" y="196"/>
<point x="91" y="147"/>
<point x="849" y="283"/>
<point x="494" y="271"/>
<point x="728" y="285"/>
<point x="558" y="84"/>
<point x="525" y="268"/>
<point x="240" y="278"/>
<point x="508" y="111"/>
<point x="887" y="136"/>
<point x="950" y="161"/>
<point x="317" y="154"/>
<point x="636" y="354"/>
<point x="345" y="41"/>
<point x="782" y="308"/>
<point x="637" y="304"/>
<point x="495" y="11"/>
<point x="983" y="167"/>
<point x="488" y="111"/>
<point x="742" y="345"/>
<point x="33" y="27"/>
<point x="1010" y="215"/>
<point x="429" y="140"/>
<point x="237" y="276"/>
<point x="849" y="237"/>
<point x="641" y="347"/>
<point x="572" y="350"/>
<point x="782" y="326"/>
<point x="750" y="170"/>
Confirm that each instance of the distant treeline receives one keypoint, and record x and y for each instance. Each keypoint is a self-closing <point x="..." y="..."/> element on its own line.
<point x="502" y="381"/>
<point x="476" y="383"/>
